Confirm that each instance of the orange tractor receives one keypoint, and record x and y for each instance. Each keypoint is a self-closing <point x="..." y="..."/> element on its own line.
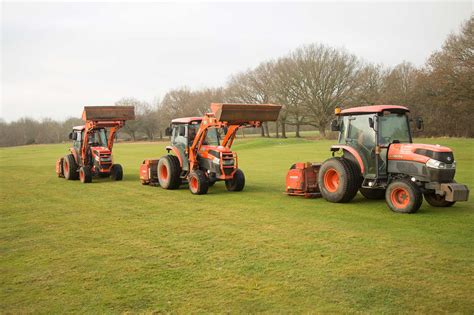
<point x="91" y="152"/>
<point x="376" y="156"/>
<point x="201" y="148"/>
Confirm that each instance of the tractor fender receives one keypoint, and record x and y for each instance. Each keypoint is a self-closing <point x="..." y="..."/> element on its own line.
<point x="350" y="150"/>
<point x="176" y="152"/>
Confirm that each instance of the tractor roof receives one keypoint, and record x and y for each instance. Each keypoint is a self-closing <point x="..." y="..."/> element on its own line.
<point x="374" y="109"/>
<point x="185" y="120"/>
<point x="78" y="128"/>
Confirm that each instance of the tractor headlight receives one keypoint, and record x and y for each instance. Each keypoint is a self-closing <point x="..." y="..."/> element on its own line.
<point x="440" y="165"/>
<point x="216" y="161"/>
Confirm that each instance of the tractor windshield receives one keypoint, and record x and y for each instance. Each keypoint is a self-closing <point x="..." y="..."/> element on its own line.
<point x="212" y="137"/>
<point x="98" y="137"/>
<point x="394" y="127"/>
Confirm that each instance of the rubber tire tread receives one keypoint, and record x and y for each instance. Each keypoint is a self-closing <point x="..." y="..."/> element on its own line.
<point x="175" y="160"/>
<point x="174" y="171"/>
<point x="203" y="182"/>
<point x="418" y="196"/>
<point x="237" y="183"/>
<point x="87" y="175"/>
<point x="116" y="172"/>
<point x="356" y="180"/>
<point x="429" y="197"/>
<point x="348" y="192"/>
<point x="72" y="166"/>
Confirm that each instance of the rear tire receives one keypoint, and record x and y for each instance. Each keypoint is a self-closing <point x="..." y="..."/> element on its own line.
<point x="438" y="200"/>
<point x="198" y="182"/>
<point x="403" y="196"/>
<point x="372" y="193"/>
<point x="237" y="183"/>
<point x="116" y="172"/>
<point x="168" y="172"/>
<point x="338" y="180"/>
<point x="70" y="167"/>
<point x="85" y="174"/>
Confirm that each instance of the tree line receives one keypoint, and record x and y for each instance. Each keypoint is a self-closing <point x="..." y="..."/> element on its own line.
<point x="309" y="82"/>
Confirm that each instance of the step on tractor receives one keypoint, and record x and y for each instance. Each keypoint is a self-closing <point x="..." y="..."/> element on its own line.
<point x="91" y="152"/>
<point x="377" y="157"/>
<point x="200" y="151"/>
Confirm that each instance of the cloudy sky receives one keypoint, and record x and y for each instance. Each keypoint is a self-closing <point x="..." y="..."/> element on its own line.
<point x="58" y="57"/>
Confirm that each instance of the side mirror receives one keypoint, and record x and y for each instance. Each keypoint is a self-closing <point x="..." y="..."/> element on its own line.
<point x="419" y="123"/>
<point x="335" y="125"/>
<point x="168" y="131"/>
<point x="71" y="135"/>
<point x="371" y="123"/>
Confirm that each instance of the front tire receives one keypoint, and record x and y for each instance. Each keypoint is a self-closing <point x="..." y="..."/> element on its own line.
<point x="168" y="172"/>
<point x="70" y="167"/>
<point x="85" y="174"/>
<point x="198" y="182"/>
<point x="237" y="183"/>
<point x="116" y="172"/>
<point x="338" y="180"/>
<point x="437" y="200"/>
<point x="403" y="196"/>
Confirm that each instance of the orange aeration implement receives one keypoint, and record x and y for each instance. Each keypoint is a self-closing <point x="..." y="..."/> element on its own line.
<point x="302" y="180"/>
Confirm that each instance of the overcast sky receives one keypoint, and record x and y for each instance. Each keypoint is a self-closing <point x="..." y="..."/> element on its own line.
<point x="58" y="57"/>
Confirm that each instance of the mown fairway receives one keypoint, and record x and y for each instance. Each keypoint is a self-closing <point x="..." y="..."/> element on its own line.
<point x="119" y="246"/>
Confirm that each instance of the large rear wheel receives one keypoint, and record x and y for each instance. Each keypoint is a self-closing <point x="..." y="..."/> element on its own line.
<point x="438" y="200"/>
<point x="403" y="196"/>
<point x="168" y="172"/>
<point x="198" y="182"/>
<point x="70" y="167"/>
<point x="338" y="180"/>
<point x="237" y="183"/>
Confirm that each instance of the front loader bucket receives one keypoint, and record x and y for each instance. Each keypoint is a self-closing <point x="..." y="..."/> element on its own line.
<point x="241" y="113"/>
<point x="108" y="113"/>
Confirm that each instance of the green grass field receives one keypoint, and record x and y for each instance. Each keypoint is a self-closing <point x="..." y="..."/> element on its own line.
<point x="112" y="247"/>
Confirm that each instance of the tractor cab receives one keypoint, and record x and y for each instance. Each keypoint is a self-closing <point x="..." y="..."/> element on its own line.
<point x="369" y="131"/>
<point x="96" y="148"/>
<point x="183" y="132"/>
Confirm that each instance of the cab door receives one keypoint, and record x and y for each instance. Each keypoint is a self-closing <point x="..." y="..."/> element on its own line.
<point x="361" y="136"/>
<point x="179" y="140"/>
<point x="77" y="144"/>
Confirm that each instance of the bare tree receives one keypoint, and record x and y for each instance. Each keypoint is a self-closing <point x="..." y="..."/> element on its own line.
<point x="328" y="78"/>
<point x="253" y="86"/>
<point x="131" y="127"/>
